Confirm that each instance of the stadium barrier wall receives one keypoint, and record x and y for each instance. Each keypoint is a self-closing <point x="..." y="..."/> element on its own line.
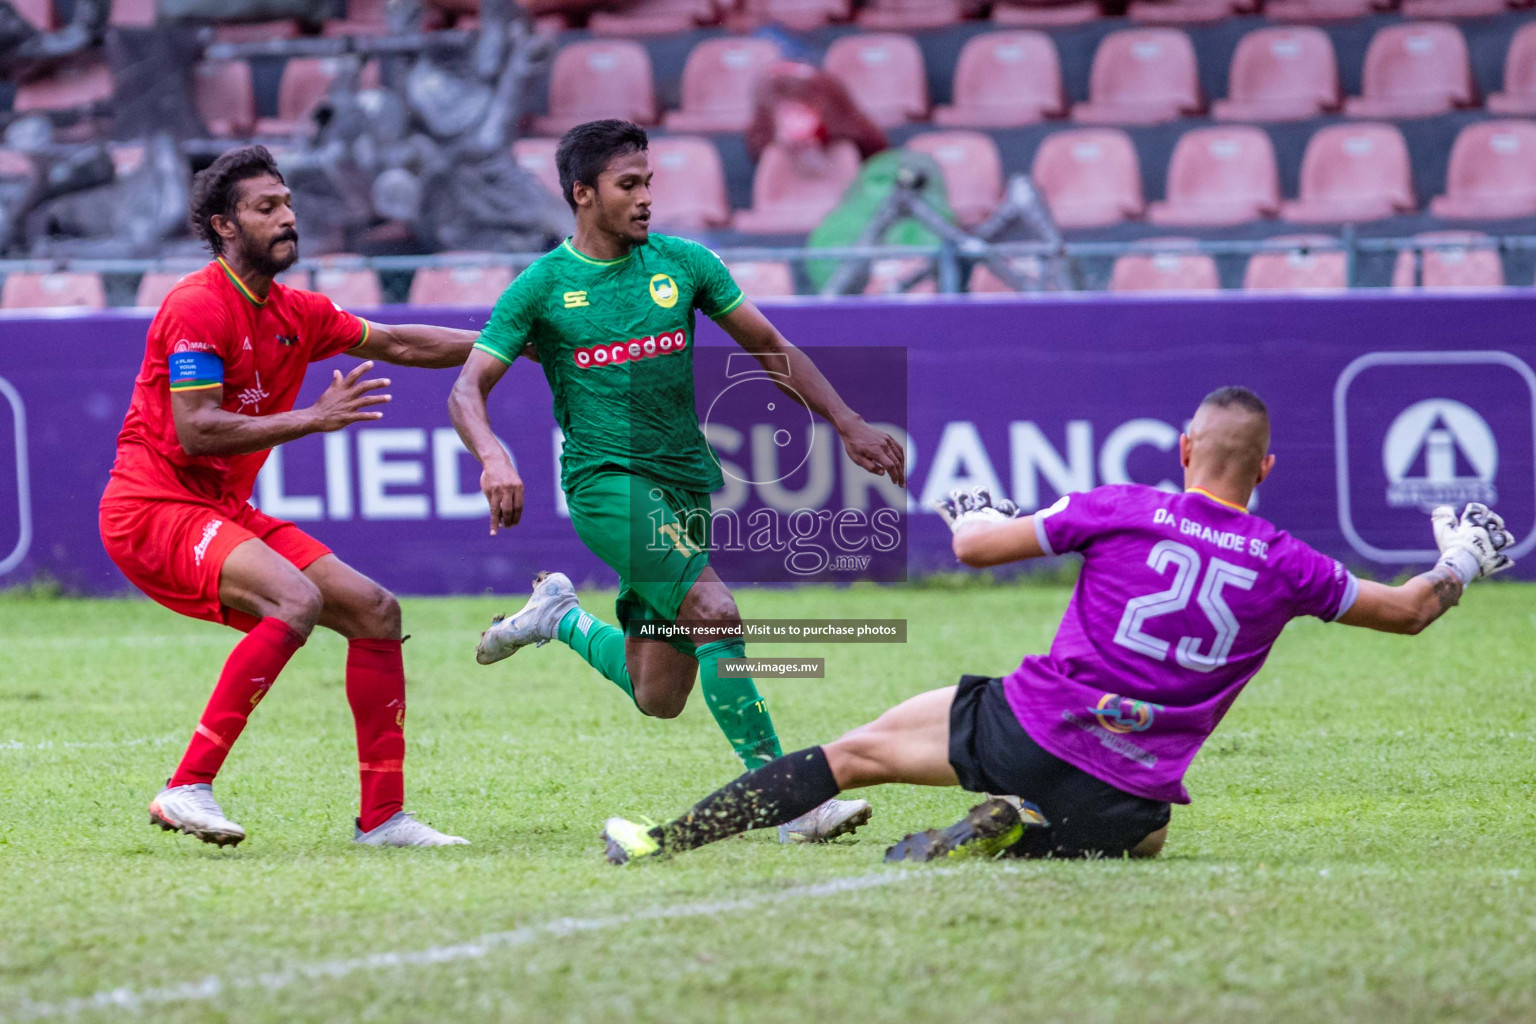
<point x="1383" y="405"/>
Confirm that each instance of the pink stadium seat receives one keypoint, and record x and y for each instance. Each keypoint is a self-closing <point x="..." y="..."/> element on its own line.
<point x="364" y="18"/>
<point x="655" y="17"/>
<point x="801" y="15"/>
<point x="765" y="280"/>
<point x="905" y="15"/>
<point x="53" y="291"/>
<point x="1452" y="8"/>
<point x="15" y="164"/>
<point x="1462" y="267"/>
<point x="1300" y="269"/>
<point x="1171" y="270"/>
<point x="38" y="13"/>
<point x="1141" y="76"/>
<point x="304" y="84"/>
<point x="884" y="73"/>
<point x="1220" y="176"/>
<point x="1186" y="12"/>
<point x="1492" y="175"/>
<point x="1351" y="173"/>
<point x="349" y="287"/>
<point x="127" y="157"/>
<point x="1044" y="13"/>
<point x="73" y="85"/>
<point x="599" y="78"/>
<point x="687" y="184"/>
<point x="459" y="286"/>
<point x="226" y="98"/>
<point x="984" y="281"/>
<point x="132" y="13"/>
<point x="1519" y="95"/>
<point x="1004" y="79"/>
<point x="886" y="276"/>
<point x="972" y="169"/>
<point x="257" y="31"/>
<point x="793" y="190"/>
<point x="1414" y="70"/>
<point x="1280" y="74"/>
<point x="155" y="285"/>
<point x="1322" y="10"/>
<point x="537" y="157"/>
<point x="1089" y="177"/>
<point x="718" y="84"/>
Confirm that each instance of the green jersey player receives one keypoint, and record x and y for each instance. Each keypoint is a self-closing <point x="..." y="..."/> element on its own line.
<point x="610" y="314"/>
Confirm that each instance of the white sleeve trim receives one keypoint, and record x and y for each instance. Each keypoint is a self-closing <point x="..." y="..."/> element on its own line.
<point x="1040" y="518"/>
<point x="1351" y="593"/>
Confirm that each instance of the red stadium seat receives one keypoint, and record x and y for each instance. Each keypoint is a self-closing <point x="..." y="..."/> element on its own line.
<point x="884" y="74"/>
<point x="1220" y="176"/>
<point x="906" y="15"/>
<point x="1452" y="8"/>
<point x="1280" y="74"/>
<point x="655" y="17"/>
<point x="1185" y="12"/>
<point x="155" y="285"/>
<point x="793" y="190"/>
<point x="349" y="287"/>
<point x="1467" y="266"/>
<point x="537" y="157"/>
<point x="1302" y="269"/>
<point x="1044" y="13"/>
<point x="53" y="291"/>
<point x="1004" y="79"/>
<point x="1322" y="10"/>
<point x="1492" y="175"/>
<point x="764" y="280"/>
<point x="70" y="86"/>
<point x="469" y="285"/>
<point x="1351" y="173"/>
<point x="1089" y="177"/>
<point x="984" y="281"/>
<point x="802" y="15"/>
<point x="226" y="98"/>
<point x="887" y="275"/>
<point x="687" y="184"/>
<point x="972" y="168"/>
<point x="718" y="85"/>
<point x="304" y="84"/>
<point x="1414" y="70"/>
<point x="132" y="13"/>
<point x="595" y="79"/>
<point x="1141" y="76"/>
<point x="1519" y="95"/>
<point x="1171" y="270"/>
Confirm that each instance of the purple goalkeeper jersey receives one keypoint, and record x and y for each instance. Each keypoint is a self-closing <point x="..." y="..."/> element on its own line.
<point x="1179" y="600"/>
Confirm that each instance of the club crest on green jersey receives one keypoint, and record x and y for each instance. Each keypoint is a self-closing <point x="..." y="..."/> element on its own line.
<point x="663" y="291"/>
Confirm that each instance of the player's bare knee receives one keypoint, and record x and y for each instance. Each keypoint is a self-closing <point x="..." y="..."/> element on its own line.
<point x="855" y="758"/>
<point x="300" y="604"/>
<point x="1152" y="845"/>
<point x="660" y="701"/>
<point x="379" y="616"/>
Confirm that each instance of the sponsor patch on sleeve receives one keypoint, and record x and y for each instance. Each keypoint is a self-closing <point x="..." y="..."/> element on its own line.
<point x="194" y="371"/>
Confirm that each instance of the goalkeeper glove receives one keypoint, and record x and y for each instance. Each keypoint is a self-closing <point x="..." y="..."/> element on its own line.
<point x="965" y="509"/>
<point x="1471" y="544"/>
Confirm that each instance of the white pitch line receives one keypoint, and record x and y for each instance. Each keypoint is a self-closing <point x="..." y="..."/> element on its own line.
<point x="143" y="741"/>
<point x="214" y="986"/>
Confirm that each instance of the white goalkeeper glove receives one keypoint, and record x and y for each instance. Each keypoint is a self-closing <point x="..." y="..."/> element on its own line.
<point x="1471" y="544"/>
<point x="965" y="509"/>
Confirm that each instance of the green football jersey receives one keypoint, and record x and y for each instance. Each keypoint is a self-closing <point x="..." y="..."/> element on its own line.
<point x="615" y="338"/>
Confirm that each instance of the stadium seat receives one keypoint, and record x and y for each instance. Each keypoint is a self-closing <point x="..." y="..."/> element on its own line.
<point x="793" y="190"/>
<point x="655" y="17"/>
<point x="70" y="86"/>
<point x="1186" y="12"/>
<point x="304" y="83"/>
<point x="886" y="276"/>
<point x="1452" y="8"/>
<point x="1171" y="270"/>
<point x="127" y="157"/>
<point x="1220" y="176"/>
<point x="1302" y="269"/>
<point x="1351" y="173"/>
<point x="1141" y="76"/>
<point x="469" y="285"/>
<point x="1492" y="175"/>
<point x="595" y="79"/>
<point x="132" y="13"/>
<point x="687" y="184"/>
<point x="1519" y="95"/>
<point x="37" y="13"/>
<point x="257" y="31"/>
<point x="15" y="164"/>
<point x="225" y="96"/>
<point x="155" y="285"/>
<point x="884" y="74"/>
<point x="972" y="168"/>
<point x="1044" y="13"/>
<point x="1005" y="79"/>
<point x="1468" y="266"/>
<point x="364" y="18"/>
<point x="537" y="157"/>
<point x="799" y="15"/>
<point x="349" y="287"/>
<point x="53" y="291"/>
<point x="906" y="15"/>
<point x="1280" y="74"/>
<point x="1322" y="10"/>
<point x="1414" y="70"/>
<point x="764" y="280"/>
<point x="984" y="281"/>
<point x="719" y="81"/>
<point x="1089" y="177"/>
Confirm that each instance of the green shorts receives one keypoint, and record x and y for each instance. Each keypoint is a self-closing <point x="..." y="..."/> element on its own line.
<point x="654" y="535"/>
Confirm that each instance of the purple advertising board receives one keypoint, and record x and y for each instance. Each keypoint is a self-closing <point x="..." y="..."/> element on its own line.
<point x="1384" y="405"/>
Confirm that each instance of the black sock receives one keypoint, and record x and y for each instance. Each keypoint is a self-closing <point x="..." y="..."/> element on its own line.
<point x="779" y="791"/>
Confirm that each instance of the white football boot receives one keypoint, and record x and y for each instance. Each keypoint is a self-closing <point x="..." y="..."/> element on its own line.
<point x="537" y="623"/>
<point x="402" y="829"/>
<point x="193" y="810"/>
<point x="822" y="824"/>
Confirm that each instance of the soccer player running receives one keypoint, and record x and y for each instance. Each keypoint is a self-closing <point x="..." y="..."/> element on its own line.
<point x="610" y="316"/>
<point x="225" y="357"/>
<point x="1178" y="602"/>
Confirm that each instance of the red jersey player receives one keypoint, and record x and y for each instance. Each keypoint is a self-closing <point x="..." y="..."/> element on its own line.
<point x="225" y="358"/>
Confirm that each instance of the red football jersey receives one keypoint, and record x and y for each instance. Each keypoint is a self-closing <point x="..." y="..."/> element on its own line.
<point x="212" y="332"/>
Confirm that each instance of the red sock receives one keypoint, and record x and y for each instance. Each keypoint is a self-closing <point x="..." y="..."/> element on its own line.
<point x="376" y="691"/>
<point x="248" y="674"/>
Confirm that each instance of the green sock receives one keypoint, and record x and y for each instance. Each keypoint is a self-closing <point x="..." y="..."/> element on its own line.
<point x="739" y="710"/>
<point x="599" y="645"/>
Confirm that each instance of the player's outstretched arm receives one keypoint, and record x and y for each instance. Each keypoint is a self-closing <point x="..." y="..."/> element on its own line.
<point x="416" y="345"/>
<point x="204" y="428"/>
<point x="988" y="531"/>
<point x="499" y="482"/>
<point x="872" y="449"/>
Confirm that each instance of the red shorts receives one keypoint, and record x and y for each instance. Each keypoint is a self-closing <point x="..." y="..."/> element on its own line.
<point x="174" y="551"/>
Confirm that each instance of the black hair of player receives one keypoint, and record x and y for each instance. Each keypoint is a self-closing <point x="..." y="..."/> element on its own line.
<point x="1237" y="397"/>
<point x="216" y="189"/>
<point x="585" y="151"/>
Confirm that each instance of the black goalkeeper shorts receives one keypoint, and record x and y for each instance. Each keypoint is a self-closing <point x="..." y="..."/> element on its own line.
<point x="991" y="753"/>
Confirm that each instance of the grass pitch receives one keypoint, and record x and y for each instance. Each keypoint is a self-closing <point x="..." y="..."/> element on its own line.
<point x="1360" y="846"/>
